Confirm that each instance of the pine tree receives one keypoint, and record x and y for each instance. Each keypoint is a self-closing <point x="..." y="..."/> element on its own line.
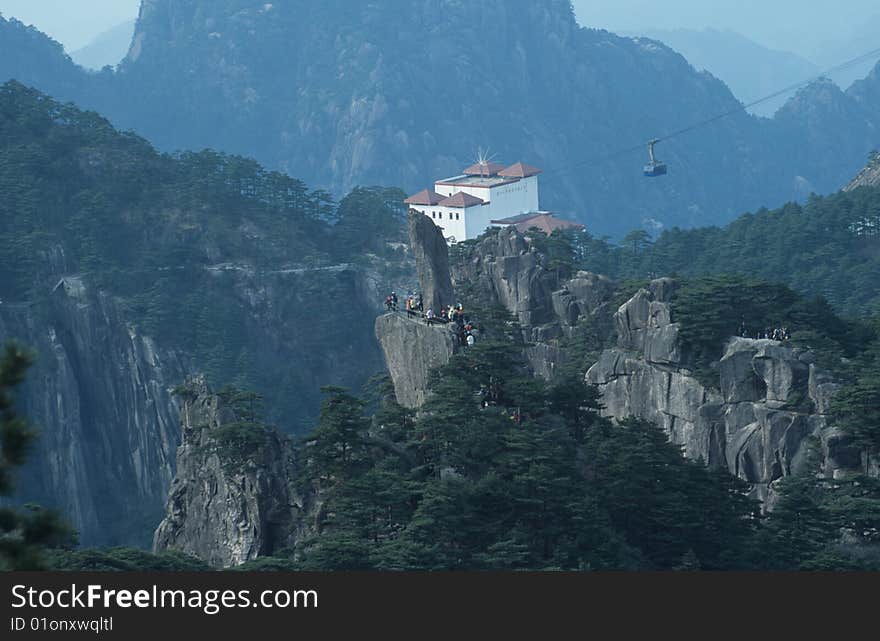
<point x="24" y="534"/>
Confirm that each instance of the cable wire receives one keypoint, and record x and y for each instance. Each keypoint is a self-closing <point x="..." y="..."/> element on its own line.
<point x="741" y="107"/>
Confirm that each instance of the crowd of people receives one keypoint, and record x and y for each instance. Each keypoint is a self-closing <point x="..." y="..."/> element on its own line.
<point x="775" y="334"/>
<point x="414" y="307"/>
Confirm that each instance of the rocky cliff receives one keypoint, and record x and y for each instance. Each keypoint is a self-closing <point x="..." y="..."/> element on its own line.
<point x="756" y="423"/>
<point x="869" y="176"/>
<point x="162" y="264"/>
<point x="99" y="393"/>
<point x="770" y="398"/>
<point x="412" y="348"/>
<point x="503" y="269"/>
<point x="506" y="269"/>
<point x="233" y="498"/>
<point x="432" y="261"/>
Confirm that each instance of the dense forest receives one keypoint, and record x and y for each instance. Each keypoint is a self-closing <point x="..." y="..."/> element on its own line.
<point x="193" y="244"/>
<point x="503" y="471"/>
<point x="828" y="247"/>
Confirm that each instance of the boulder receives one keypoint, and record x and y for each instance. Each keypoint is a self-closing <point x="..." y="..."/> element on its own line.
<point x="227" y="507"/>
<point x="784" y="375"/>
<point x="738" y="379"/>
<point x="755" y="423"/>
<point x="412" y="348"/>
<point x="431" y="255"/>
<point x="821" y="388"/>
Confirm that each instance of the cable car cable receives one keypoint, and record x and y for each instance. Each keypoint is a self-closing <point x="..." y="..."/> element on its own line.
<point x="741" y="107"/>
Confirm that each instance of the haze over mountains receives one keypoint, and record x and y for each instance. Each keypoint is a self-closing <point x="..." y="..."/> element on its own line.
<point x="751" y="70"/>
<point x="108" y="48"/>
<point x="340" y="94"/>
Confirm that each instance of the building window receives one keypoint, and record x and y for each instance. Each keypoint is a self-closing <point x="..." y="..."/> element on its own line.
<point x="433" y="214"/>
<point x="450" y="215"/>
<point x="456" y="215"/>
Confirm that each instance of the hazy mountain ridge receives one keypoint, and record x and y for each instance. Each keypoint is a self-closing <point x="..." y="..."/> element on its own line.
<point x="107" y="48"/>
<point x="401" y="93"/>
<point x="751" y="70"/>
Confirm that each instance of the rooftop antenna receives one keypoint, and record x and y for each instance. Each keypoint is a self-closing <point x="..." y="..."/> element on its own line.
<point x="483" y="160"/>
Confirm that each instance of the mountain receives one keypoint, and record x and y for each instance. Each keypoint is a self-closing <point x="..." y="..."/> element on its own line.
<point x="751" y="70"/>
<point x="127" y="270"/>
<point x="400" y="93"/>
<point x="32" y="56"/>
<point x="107" y="48"/>
<point x="738" y="414"/>
<point x="653" y="459"/>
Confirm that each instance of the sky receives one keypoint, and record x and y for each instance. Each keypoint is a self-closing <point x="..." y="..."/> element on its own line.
<point x="73" y="23"/>
<point x="801" y="26"/>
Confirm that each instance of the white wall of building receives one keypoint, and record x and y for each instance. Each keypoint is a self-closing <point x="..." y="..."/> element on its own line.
<point x="504" y="201"/>
<point x="479" y="220"/>
<point x="516" y="198"/>
<point x="450" y="219"/>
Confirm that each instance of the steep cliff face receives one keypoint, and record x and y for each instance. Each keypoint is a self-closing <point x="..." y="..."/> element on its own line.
<point x="227" y="504"/>
<point x="756" y="423"/>
<point x="502" y="269"/>
<point x="412" y="348"/>
<point x="432" y="261"/>
<point x="255" y="290"/>
<point x="100" y="394"/>
<point x="505" y="268"/>
<point x="300" y="328"/>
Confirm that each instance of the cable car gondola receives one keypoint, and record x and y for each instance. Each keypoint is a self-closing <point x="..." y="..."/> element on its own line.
<point x="655" y="167"/>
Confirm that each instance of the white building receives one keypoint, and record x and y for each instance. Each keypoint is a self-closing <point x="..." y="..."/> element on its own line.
<point x="464" y="206"/>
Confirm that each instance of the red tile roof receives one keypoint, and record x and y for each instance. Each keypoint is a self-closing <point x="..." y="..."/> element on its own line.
<point x="484" y="169"/>
<point x="519" y="170"/>
<point x="547" y="223"/>
<point x="461" y="199"/>
<point x="424" y="197"/>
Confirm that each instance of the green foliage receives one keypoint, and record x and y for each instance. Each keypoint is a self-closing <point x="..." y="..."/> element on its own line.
<point x="557" y="248"/>
<point x="193" y="245"/>
<point x="369" y="218"/>
<point x="122" y="560"/>
<point x="24" y="533"/>
<point x="856" y="407"/>
<point x="267" y="564"/>
<point x="16" y="434"/>
<point x="711" y="309"/>
<point x="826" y="248"/>
<point x="238" y="441"/>
<point x="499" y="471"/>
<point x="822" y="524"/>
<point x="668" y="507"/>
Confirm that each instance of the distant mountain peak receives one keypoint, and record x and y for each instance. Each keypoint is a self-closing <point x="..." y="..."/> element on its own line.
<point x="393" y="92"/>
<point x="107" y="48"/>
